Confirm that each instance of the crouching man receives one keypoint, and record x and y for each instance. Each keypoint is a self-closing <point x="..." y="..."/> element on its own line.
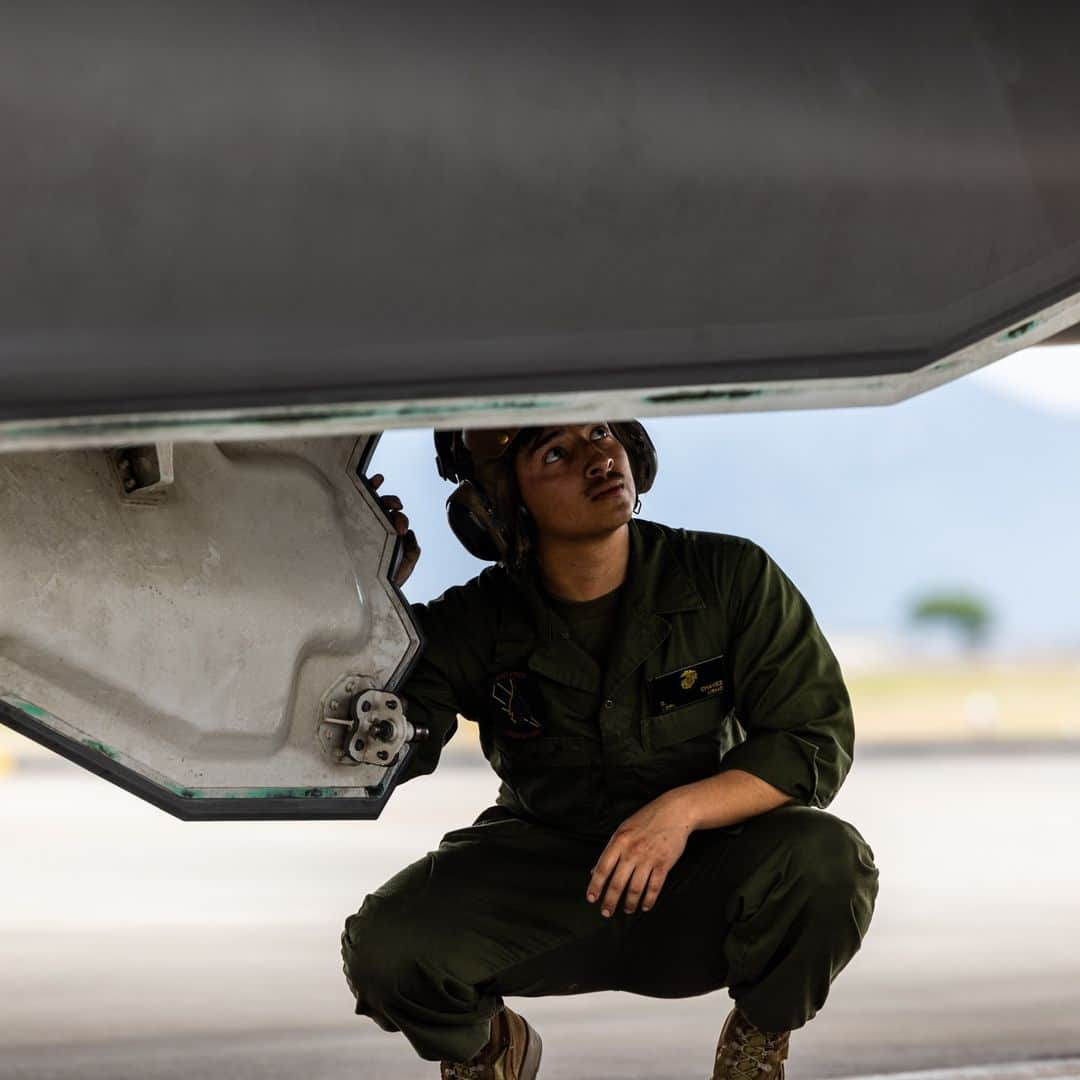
<point x="668" y="722"/>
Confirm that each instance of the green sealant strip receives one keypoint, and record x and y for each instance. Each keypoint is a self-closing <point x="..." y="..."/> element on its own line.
<point x="36" y="712"/>
<point x="1019" y="331"/>
<point x="259" y="793"/>
<point x="101" y="748"/>
<point x="29" y="708"/>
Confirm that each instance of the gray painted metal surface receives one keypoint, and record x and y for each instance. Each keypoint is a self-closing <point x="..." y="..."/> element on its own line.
<point x="192" y="642"/>
<point x="249" y="207"/>
<point x="813" y="392"/>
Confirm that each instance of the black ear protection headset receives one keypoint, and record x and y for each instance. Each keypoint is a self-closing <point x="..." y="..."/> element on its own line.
<point x="471" y="459"/>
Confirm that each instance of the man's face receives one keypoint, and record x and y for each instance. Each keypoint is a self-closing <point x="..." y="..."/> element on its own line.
<point x="575" y="480"/>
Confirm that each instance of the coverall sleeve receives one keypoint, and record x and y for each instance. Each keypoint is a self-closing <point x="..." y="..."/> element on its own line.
<point x="431" y="690"/>
<point x="789" y="692"/>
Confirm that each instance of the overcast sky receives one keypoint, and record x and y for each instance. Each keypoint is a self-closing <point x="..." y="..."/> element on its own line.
<point x="1048" y="378"/>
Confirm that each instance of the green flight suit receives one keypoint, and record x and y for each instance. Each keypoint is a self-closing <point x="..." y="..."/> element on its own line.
<point x="716" y="663"/>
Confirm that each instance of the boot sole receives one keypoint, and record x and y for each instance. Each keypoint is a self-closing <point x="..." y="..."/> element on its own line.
<point x="530" y="1064"/>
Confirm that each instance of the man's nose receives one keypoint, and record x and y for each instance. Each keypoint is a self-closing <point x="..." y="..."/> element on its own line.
<point x="601" y="463"/>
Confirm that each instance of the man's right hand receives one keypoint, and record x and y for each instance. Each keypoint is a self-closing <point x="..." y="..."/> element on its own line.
<point x="392" y="505"/>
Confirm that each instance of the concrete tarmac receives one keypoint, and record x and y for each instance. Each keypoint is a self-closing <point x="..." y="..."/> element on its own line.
<point x="136" y="946"/>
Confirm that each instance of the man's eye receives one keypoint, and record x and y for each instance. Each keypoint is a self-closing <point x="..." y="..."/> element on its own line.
<point x="604" y="433"/>
<point x="547" y="459"/>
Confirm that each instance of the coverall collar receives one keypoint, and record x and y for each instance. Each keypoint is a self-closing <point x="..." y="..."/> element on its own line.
<point x="655" y="579"/>
<point x="656" y="584"/>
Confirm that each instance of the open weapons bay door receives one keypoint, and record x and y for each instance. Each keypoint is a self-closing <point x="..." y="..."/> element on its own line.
<point x="211" y="626"/>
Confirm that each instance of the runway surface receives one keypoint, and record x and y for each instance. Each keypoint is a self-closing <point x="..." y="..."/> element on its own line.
<point x="136" y="946"/>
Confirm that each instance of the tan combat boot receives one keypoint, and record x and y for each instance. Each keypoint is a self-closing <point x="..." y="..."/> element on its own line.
<point x="745" y="1052"/>
<point x="512" y="1053"/>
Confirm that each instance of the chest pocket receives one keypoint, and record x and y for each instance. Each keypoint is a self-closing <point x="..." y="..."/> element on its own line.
<point x="702" y="718"/>
<point x="688" y="702"/>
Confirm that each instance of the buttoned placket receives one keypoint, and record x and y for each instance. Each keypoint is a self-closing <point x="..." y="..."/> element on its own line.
<point x="640" y="633"/>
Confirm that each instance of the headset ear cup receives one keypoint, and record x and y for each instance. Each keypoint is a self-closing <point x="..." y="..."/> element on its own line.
<point x="473" y="522"/>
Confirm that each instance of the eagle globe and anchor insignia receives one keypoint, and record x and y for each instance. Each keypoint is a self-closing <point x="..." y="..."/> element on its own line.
<point x="705" y="678"/>
<point x="518" y="706"/>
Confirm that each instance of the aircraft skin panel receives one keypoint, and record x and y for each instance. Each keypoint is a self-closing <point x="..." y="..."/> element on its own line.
<point x="365" y="206"/>
<point x="196" y="636"/>
<point x="216" y="425"/>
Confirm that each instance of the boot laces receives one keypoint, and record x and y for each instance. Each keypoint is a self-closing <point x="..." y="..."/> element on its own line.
<point x="477" y="1070"/>
<point x="751" y="1052"/>
<point x="463" y="1071"/>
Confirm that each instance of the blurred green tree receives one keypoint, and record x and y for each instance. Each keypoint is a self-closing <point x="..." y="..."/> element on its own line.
<point x="970" y="616"/>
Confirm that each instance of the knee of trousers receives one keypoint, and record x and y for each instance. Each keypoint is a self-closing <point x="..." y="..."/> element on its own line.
<point x="835" y="866"/>
<point x="378" y="949"/>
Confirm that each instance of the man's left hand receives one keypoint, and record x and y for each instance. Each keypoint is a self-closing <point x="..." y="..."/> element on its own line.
<point x="639" y="855"/>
